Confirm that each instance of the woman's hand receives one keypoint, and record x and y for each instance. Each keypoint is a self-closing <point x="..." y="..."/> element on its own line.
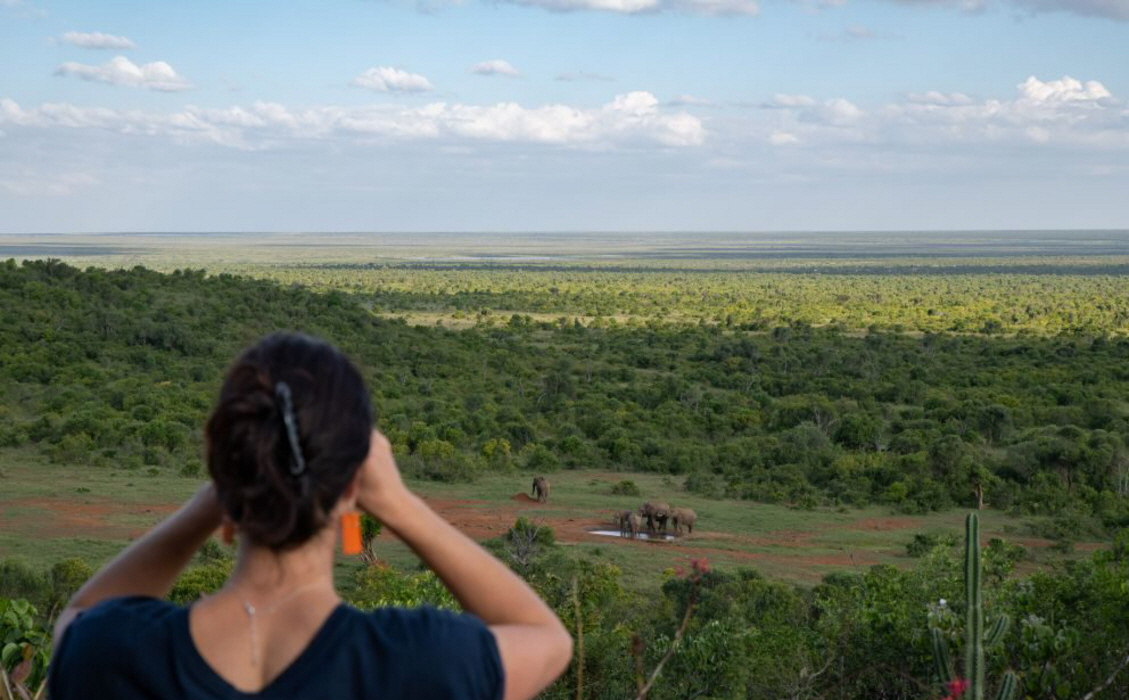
<point x="382" y="489"/>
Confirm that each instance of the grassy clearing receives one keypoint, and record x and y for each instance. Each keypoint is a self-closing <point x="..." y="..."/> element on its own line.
<point x="50" y="512"/>
<point x="799" y="546"/>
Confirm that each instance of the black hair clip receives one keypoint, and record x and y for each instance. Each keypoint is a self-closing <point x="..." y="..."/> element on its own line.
<point x="282" y="391"/>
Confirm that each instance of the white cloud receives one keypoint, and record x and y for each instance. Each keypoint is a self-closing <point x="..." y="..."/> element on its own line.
<point x="631" y="7"/>
<point x="1065" y="111"/>
<point x="119" y="70"/>
<point x="96" y="40"/>
<point x="1065" y="90"/>
<point x="496" y="66"/>
<point x="1081" y="115"/>
<point x="629" y="118"/>
<point x="837" y="111"/>
<point x="716" y="7"/>
<point x="387" y="79"/>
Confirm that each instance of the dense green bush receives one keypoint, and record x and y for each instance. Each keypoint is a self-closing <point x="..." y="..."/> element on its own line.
<point x="380" y="585"/>
<point x="625" y="487"/>
<point x="924" y="542"/>
<point x="856" y="636"/>
<point x="20" y="580"/>
<point x="200" y="580"/>
<point x="120" y="367"/>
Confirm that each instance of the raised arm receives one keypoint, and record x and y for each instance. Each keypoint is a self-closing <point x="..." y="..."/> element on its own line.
<point x="534" y="645"/>
<point x="152" y="563"/>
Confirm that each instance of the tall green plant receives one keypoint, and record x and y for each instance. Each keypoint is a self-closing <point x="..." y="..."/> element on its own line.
<point x="976" y="638"/>
<point x="24" y="645"/>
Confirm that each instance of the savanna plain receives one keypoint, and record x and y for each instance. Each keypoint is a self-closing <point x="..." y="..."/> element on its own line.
<point x="831" y="406"/>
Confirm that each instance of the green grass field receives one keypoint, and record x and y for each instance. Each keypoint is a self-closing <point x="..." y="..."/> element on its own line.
<point x="50" y="512"/>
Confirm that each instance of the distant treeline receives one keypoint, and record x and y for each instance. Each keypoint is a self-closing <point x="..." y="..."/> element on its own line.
<point x="908" y="297"/>
<point x="665" y="267"/>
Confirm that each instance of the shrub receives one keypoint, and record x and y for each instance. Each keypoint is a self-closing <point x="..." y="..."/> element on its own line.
<point x="524" y="529"/>
<point x="625" y="488"/>
<point x="381" y="586"/>
<point x="704" y="484"/>
<point x="1001" y="556"/>
<point x="200" y="580"/>
<point x="191" y="468"/>
<point x="19" y="580"/>
<point x="212" y="551"/>
<point x="66" y="577"/>
<point x="539" y="458"/>
<point x="925" y="542"/>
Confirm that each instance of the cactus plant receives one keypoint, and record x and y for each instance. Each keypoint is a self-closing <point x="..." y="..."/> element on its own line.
<point x="976" y="639"/>
<point x="974" y="614"/>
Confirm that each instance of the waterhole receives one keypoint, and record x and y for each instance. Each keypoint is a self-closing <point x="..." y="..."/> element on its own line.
<point x="642" y="535"/>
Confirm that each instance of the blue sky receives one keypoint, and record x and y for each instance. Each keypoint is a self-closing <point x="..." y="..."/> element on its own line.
<point x="367" y="115"/>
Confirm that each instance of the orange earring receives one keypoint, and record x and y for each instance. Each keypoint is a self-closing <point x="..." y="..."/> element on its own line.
<point x="227" y="532"/>
<point x="351" y="533"/>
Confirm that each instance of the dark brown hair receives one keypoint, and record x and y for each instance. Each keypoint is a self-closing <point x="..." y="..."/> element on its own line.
<point x="280" y="499"/>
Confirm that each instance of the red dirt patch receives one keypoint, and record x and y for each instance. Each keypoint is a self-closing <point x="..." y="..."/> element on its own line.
<point x="64" y="518"/>
<point x="523" y="498"/>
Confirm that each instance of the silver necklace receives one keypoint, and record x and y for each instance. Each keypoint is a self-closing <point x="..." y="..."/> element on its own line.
<point x="253" y="614"/>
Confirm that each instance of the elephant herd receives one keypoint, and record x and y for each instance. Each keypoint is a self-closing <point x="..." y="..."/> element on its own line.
<point x="655" y="515"/>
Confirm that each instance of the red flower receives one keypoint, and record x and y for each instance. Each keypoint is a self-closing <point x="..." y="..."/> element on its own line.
<point x="956" y="688"/>
<point x="700" y="566"/>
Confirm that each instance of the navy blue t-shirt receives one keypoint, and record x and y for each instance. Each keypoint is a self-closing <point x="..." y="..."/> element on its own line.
<point x="140" y="648"/>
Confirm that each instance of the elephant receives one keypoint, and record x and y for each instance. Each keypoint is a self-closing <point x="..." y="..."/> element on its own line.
<point x="656" y="515"/>
<point x="621" y="518"/>
<point x="683" y="516"/>
<point x="541" y="488"/>
<point x="634" y="525"/>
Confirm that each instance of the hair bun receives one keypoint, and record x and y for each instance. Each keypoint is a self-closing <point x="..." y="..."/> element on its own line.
<point x="290" y="429"/>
